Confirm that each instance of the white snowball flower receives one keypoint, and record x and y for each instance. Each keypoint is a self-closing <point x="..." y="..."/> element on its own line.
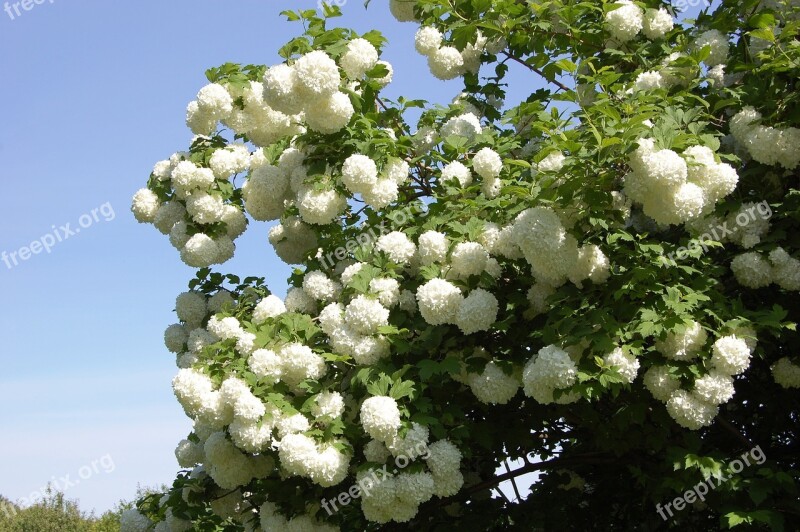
<point x="427" y="40"/>
<point x="493" y="386"/>
<point x="317" y="75"/>
<point x="330" y="115"/>
<point x="477" y="312"/>
<point x="318" y="286"/>
<point x="657" y="22"/>
<point x="552" y="368"/>
<point x="328" y="405"/>
<point x="432" y="247"/>
<point x="297" y="300"/>
<point x="689" y="411"/>
<point x="175" y="336"/>
<point x="467" y="125"/>
<point x="752" y="270"/>
<point x="321" y="207"/>
<point x="387" y="290"/>
<point x="145" y="206"/>
<point x="627" y="365"/>
<point x="684" y="344"/>
<point x="786" y="373"/>
<point x="714" y="388"/>
<point x="458" y="172"/>
<point x="191" y="307"/>
<point x="468" y="258"/>
<point x="365" y="315"/>
<point x="269" y="307"/>
<point x="214" y="100"/>
<point x="265" y="364"/>
<point x="718" y="45"/>
<point x="359" y="57"/>
<point x="731" y="356"/>
<point x="359" y="173"/>
<point x="397" y="246"/>
<point x="626" y="21"/>
<point x="659" y="383"/>
<point x="299" y="362"/>
<point x="487" y="163"/>
<point x="380" y="417"/>
<point x="439" y="301"/>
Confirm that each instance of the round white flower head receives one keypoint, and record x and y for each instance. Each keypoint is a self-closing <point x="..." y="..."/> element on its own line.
<point x="443" y="457"/>
<point x="487" y="163"/>
<point x="167" y="215"/>
<point x="657" y="22"/>
<point x="132" y="520"/>
<point x="493" y="386"/>
<point x="318" y="286"/>
<point x="403" y="10"/>
<point x="684" y="344"/>
<point x="384" y="193"/>
<point x="175" y="337"/>
<point x="627" y="365"/>
<point x="359" y="57"/>
<point x="752" y="270"/>
<point x="205" y="208"/>
<point x="293" y="424"/>
<point x="215" y="101"/>
<point x="365" y="315"/>
<point x="718" y="45"/>
<point x="317" y="75"/>
<point x="786" y="373"/>
<point x="376" y="451"/>
<point x="269" y="307"/>
<point x="427" y="40"/>
<point x="458" y="172"/>
<point x="292" y="239"/>
<point x="145" y="206"/>
<point x="299" y="362"/>
<point x="553" y="162"/>
<point x="359" y="173"/>
<point x="224" y="328"/>
<point x="329" y="115"/>
<point x="446" y="63"/>
<point x="350" y="272"/>
<point x="659" y="383"/>
<point x="467" y="125"/>
<point x="468" y="258"/>
<point x="191" y="387"/>
<point x="448" y="484"/>
<point x="191" y="307"/>
<point x="550" y="369"/>
<point x="399" y="248"/>
<point x="328" y="405"/>
<point x="414" y="488"/>
<point x="786" y="269"/>
<point x="380" y="417"/>
<point x="220" y="300"/>
<point x="439" y="301"/>
<point x="714" y="388"/>
<point x="626" y="21"/>
<point x="731" y="356"/>
<point x="477" y="312"/>
<point x="689" y="411"/>
<point x="433" y="247"/>
<point x="265" y="364"/>
<point x="232" y="160"/>
<point x="387" y="290"/>
<point x="188" y="453"/>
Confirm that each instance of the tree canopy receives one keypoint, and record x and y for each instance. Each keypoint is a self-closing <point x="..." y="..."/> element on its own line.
<point x="596" y="282"/>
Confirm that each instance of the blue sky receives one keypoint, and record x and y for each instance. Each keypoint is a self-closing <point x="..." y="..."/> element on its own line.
<point x="92" y="94"/>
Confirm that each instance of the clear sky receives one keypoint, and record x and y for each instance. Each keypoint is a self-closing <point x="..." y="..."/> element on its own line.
<point x="92" y="94"/>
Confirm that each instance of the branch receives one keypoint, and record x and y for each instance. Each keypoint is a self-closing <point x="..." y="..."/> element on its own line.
<point x="537" y="71"/>
<point x="739" y="436"/>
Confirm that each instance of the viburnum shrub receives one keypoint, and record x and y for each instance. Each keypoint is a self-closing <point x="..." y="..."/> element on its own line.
<point x="598" y="282"/>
